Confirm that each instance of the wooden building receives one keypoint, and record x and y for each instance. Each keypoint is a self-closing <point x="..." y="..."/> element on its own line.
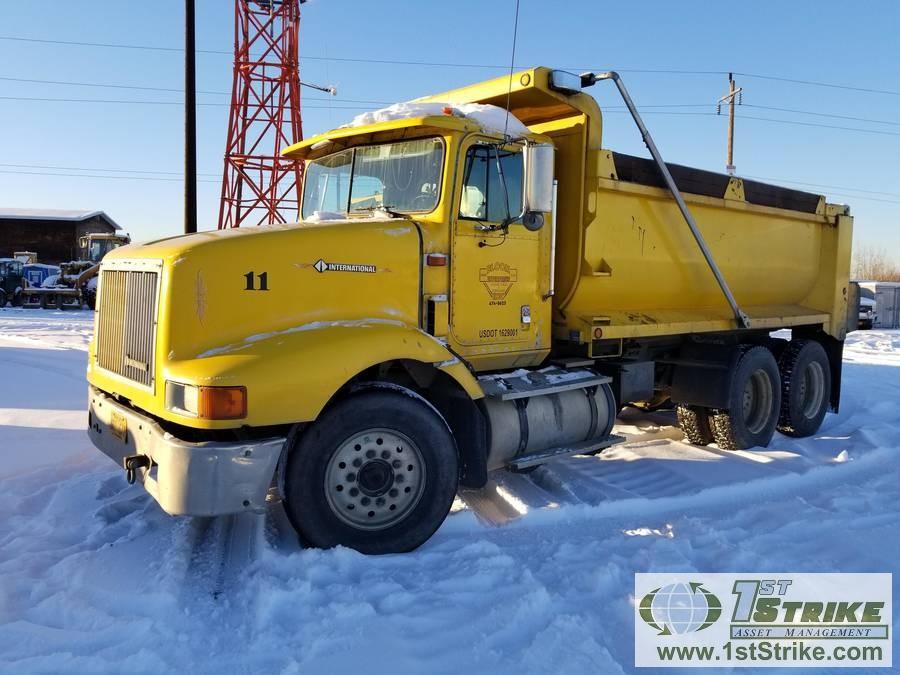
<point x="52" y="233"/>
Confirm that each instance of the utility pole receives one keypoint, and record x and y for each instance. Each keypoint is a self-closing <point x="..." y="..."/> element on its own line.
<point x="735" y="94"/>
<point x="190" y="121"/>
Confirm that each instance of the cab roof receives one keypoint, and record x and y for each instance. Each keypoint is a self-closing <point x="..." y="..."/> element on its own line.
<point x="531" y="101"/>
<point x="343" y="137"/>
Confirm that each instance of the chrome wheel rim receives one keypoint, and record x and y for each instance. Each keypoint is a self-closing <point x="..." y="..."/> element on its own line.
<point x="757" y="401"/>
<point x="812" y="389"/>
<point x="374" y="479"/>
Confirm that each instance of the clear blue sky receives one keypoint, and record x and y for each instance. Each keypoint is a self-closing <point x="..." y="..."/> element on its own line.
<point x="832" y="41"/>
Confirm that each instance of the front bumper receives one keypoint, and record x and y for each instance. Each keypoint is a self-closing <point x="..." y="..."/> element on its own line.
<point x="194" y="479"/>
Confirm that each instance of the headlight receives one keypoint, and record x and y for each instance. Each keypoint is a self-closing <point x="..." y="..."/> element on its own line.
<point x="182" y="398"/>
<point x="211" y="403"/>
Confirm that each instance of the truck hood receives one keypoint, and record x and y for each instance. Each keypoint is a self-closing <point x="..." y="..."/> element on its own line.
<point x="170" y="248"/>
<point x="224" y="288"/>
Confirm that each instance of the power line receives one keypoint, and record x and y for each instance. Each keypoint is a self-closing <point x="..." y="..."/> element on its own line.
<point x="815" y="83"/>
<point x="822" y="126"/>
<point x="42" y="99"/>
<point x="373" y="102"/>
<point x="62" y="171"/>
<point x="448" y="64"/>
<point x="172" y="89"/>
<point x="105" y="85"/>
<point x="109" y="85"/>
<point x="93" y="168"/>
<point x="645" y="109"/>
<point x="85" y="175"/>
<point x="108" y="45"/>
<point x="821" y="114"/>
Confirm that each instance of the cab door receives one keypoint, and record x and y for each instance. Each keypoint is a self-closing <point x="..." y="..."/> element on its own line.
<point x="499" y="300"/>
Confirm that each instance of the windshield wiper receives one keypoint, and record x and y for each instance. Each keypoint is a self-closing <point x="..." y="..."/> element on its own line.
<point x="386" y="208"/>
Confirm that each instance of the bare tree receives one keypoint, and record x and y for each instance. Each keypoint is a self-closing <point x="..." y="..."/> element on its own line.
<point x="874" y="264"/>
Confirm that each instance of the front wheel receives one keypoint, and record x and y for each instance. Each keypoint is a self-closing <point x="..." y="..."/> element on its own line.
<point x="377" y="472"/>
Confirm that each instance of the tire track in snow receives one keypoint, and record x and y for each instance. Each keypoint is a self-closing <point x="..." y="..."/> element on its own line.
<point x="650" y="466"/>
<point x="221" y="549"/>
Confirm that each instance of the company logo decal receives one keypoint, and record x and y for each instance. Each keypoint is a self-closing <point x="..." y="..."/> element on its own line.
<point x="322" y="266"/>
<point x="498" y="278"/>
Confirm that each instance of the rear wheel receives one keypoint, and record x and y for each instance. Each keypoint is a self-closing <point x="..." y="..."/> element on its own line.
<point x="694" y="424"/>
<point x="377" y="472"/>
<point x="754" y="402"/>
<point x="805" y="388"/>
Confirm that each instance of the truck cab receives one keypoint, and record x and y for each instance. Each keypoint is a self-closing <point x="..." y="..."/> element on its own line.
<point x="93" y="246"/>
<point x="483" y="234"/>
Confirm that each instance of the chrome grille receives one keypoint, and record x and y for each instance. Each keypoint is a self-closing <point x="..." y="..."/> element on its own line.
<point x="126" y="329"/>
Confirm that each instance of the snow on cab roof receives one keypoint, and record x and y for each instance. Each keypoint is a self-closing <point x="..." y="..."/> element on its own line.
<point x="491" y="118"/>
<point x="75" y="215"/>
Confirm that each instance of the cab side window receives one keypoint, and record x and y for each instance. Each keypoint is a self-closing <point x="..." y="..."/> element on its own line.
<point x="483" y="196"/>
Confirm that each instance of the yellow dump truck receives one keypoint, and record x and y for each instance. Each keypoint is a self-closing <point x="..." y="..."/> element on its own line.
<point x="467" y="290"/>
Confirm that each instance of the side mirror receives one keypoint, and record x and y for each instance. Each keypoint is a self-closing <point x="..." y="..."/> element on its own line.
<point x="539" y="160"/>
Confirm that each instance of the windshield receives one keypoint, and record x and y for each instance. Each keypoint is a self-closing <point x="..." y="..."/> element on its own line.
<point x="402" y="177"/>
<point x="100" y="247"/>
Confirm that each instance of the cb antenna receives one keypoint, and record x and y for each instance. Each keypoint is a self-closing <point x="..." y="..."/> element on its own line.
<point x="512" y="65"/>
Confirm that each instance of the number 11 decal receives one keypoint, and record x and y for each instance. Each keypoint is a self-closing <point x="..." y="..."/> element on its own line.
<point x="251" y="281"/>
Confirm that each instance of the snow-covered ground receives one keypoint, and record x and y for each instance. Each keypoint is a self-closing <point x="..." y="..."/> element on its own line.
<point x="534" y="574"/>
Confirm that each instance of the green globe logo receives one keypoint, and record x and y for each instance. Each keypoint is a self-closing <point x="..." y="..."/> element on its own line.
<point x="680" y="608"/>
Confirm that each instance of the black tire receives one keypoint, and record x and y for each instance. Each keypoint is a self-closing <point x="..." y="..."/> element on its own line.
<point x="17" y="299"/>
<point x="360" y="423"/>
<point x="754" y="402"/>
<point x="805" y="388"/>
<point x="694" y="423"/>
<point x="2" y="298"/>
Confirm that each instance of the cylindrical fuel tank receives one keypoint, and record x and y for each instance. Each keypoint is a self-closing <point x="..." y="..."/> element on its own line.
<point x="529" y="425"/>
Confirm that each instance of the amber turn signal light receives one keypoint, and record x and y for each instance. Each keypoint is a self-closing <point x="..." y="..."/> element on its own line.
<point x="223" y="403"/>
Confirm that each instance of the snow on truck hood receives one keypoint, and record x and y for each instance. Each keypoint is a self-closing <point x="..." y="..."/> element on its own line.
<point x="491" y="118"/>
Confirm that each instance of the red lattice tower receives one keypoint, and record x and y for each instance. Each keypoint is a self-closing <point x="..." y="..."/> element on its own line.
<point x="259" y="186"/>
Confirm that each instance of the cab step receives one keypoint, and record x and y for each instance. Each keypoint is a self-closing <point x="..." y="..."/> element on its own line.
<point x="528" y="383"/>
<point x="536" y="458"/>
